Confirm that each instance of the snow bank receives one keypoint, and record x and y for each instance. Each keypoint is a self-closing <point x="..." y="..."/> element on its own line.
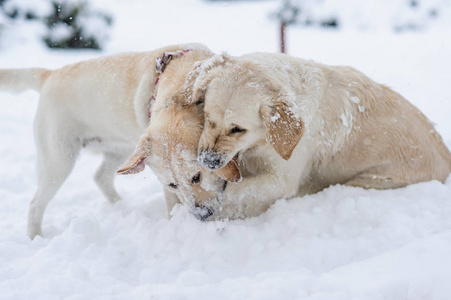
<point x="342" y="243"/>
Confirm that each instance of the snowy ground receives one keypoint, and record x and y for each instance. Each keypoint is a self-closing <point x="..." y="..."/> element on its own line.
<point x="342" y="243"/>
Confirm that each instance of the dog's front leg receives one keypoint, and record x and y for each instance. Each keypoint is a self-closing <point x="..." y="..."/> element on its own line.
<point x="104" y="176"/>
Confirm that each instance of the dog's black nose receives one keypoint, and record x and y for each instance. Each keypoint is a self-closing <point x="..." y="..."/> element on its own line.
<point x="203" y="212"/>
<point x="211" y="160"/>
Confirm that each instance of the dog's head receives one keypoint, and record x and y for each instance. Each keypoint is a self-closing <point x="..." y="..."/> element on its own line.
<point x="169" y="145"/>
<point x="169" y="148"/>
<point x="244" y="107"/>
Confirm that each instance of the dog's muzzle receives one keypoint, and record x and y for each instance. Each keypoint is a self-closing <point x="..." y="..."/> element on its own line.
<point x="211" y="160"/>
<point x="203" y="212"/>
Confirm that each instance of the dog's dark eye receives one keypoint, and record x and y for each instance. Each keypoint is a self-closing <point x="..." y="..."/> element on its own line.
<point x="173" y="185"/>
<point x="196" y="178"/>
<point x="201" y="100"/>
<point x="236" y="129"/>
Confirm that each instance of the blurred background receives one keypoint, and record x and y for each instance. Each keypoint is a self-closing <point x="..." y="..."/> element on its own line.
<point x="251" y="24"/>
<point x="402" y="43"/>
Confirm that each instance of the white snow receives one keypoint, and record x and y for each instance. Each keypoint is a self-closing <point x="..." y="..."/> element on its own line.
<point x="95" y="27"/>
<point x="344" y="120"/>
<point x="376" y="14"/>
<point x="60" y="31"/>
<point x="37" y="8"/>
<point x="275" y="117"/>
<point x="354" y="99"/>
<point x="342" y="243"/>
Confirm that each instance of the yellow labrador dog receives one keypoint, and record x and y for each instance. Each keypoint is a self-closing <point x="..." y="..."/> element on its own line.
<point x="169" y="145"/>
<point x="101" y="104"/>
<point x="297" y="126"/>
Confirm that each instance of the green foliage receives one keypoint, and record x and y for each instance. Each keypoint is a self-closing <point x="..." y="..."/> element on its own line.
<point x="67" y="18"/>
<point x="71" y="24"/>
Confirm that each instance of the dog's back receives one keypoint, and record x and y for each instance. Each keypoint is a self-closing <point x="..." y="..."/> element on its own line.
<point x="383" y="136"/>
<point x="101" y="103"/>
<point x="359" y="132"/>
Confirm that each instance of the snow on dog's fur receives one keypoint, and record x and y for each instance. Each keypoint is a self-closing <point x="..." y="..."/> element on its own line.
<point x="298" y="126"/>
<point x="169" y="145"/>
<point x="101" y="104"/>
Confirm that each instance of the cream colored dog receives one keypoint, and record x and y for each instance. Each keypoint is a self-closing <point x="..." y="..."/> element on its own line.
<point x="169" y="145"/>
<point x="298" y="126"/>
<point x="101" y="104"/>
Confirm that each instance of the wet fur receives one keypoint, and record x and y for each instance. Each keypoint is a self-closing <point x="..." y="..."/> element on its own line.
<point x="169" y="144"/>
<point x="310" y="126"/>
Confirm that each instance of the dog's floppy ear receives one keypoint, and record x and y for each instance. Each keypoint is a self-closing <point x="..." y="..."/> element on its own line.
<point x="135" y="164"/>
<point x="230" y="172"/>
<point x="284" y="126"/>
